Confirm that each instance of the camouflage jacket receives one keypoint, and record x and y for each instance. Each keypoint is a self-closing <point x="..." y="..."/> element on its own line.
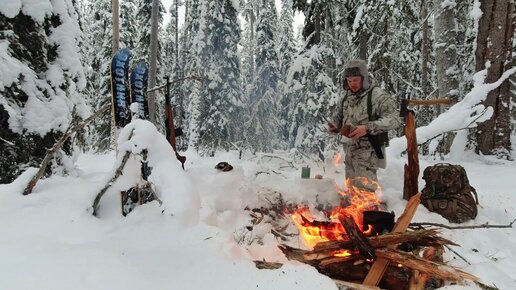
<point x="352" y="110"/>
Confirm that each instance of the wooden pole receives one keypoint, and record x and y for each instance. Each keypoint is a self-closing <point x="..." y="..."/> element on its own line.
<point x="153" y="60"/>
<point x="411" y="174"/>
<point x="115" y="10"/>
<point x="116" y="25"/>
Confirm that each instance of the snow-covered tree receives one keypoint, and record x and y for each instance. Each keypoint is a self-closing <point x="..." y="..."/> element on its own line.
<point x="248" y="42"/>
<point x="287" y="48"/>
<point x="263" y="122"/>
<point x="315" y="98"/>
<point x="193" y="56"/>
<point x="222" y="103"/>
<point x="495" y="27"/>
<point x="41" y="77"/>
<point x="96" y="53"/>
<point x="128" y="27"/>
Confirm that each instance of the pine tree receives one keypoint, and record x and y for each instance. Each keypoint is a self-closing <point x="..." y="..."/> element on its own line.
<point x="222" y="105"/>
<point x="193" y="56"/>
<point x="315" y="98"/>
<point x="40" y="84"/>
<point x="128" y="25"/>
<point x="286" y="54"/>
<point x="97" y="53"/>
<point x="248" y="43"/>
<point x="263" y="123"/>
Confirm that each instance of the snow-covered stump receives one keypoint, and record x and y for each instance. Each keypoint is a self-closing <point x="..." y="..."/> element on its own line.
<point x="138" y="142"/>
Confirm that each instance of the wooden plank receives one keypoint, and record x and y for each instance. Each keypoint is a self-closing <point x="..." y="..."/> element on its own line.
<point x="411" y="169"/>
<point x="380" y="265"/>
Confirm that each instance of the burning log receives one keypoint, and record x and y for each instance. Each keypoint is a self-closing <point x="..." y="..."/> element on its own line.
<point x="431" y="268"/>
<point x="346" y="258"/>
<point x="357" y="238"/>
<point x="354" y="267"/>
<point x="420" y="238"/>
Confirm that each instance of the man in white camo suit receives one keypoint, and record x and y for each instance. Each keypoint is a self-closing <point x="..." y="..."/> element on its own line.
<point x="364" y="109"/>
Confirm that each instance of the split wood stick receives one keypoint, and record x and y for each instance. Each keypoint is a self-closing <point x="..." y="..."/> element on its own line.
<point x="433" y="269"/>
<point x="420" y="238"/>
<point x="411" y="168"/>
<point x="380" y="265"/>
<point x="357" y="237"/>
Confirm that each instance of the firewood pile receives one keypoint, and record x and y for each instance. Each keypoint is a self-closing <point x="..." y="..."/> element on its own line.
<point x="397" y="260"/>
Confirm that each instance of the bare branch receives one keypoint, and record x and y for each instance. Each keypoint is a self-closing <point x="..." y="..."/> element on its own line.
<point x="58" y="145"/>
<point x="482" y="226"/>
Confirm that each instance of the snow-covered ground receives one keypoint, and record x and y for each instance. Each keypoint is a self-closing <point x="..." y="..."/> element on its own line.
<point x="200" y="238"/>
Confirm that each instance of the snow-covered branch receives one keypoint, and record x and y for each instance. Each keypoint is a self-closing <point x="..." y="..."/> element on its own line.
<point x="464" y="114"/>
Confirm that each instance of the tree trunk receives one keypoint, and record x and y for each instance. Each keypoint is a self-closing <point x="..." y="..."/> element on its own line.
<point x="153" y="60"/>
<point x="445" y="52"/>
<point x="513" y="78"/>
<point x="424" y="50"/>
<point x="494" y="45"/>
<point x="446" y="61"/>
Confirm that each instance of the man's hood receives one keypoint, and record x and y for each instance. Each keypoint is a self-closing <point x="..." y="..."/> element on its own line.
<point x="357" y="67"/>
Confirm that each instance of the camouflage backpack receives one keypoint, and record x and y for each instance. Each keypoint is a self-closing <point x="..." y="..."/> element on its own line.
<point x="448" y="192"/>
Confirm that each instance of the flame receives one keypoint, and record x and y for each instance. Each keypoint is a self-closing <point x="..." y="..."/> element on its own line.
<point x="355" y="200"/>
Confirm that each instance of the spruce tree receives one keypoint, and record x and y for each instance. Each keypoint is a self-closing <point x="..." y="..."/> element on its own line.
<point x="222" y="103"/>
<point x="286" y="54"/>
<point x="97" y="54"/>
<point x="263" y="123"/>
<point x="315" y="97"/>
<point x="40" y="84"/>
<point x="193" y="55"/>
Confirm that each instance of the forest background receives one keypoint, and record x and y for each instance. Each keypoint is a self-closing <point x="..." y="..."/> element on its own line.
<point x="264" y="86"/>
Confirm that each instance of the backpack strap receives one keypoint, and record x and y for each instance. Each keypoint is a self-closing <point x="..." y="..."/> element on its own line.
<point x="370" y="105"/>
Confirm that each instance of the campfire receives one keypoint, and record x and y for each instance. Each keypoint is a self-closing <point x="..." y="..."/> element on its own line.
<point x="357" y="203"/>
<point x="357" y="243"/>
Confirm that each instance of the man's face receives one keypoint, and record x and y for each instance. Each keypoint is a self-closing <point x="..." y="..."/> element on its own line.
<point x="354" y="83"/>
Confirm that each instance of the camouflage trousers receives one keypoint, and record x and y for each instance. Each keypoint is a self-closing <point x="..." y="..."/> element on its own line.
<point x="361" y="165"/>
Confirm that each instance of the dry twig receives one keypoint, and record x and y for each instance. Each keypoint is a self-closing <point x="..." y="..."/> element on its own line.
<point x="58" y="145"/>
<point x="482" y="226"/>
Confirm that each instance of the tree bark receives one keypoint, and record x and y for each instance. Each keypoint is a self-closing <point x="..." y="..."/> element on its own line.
<point x="494" y="45"/>
<point x="153" y="60"/>
<point x="424" y="49"/>
<point x="446" y="52"/>
<point x="447" y="69"/>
